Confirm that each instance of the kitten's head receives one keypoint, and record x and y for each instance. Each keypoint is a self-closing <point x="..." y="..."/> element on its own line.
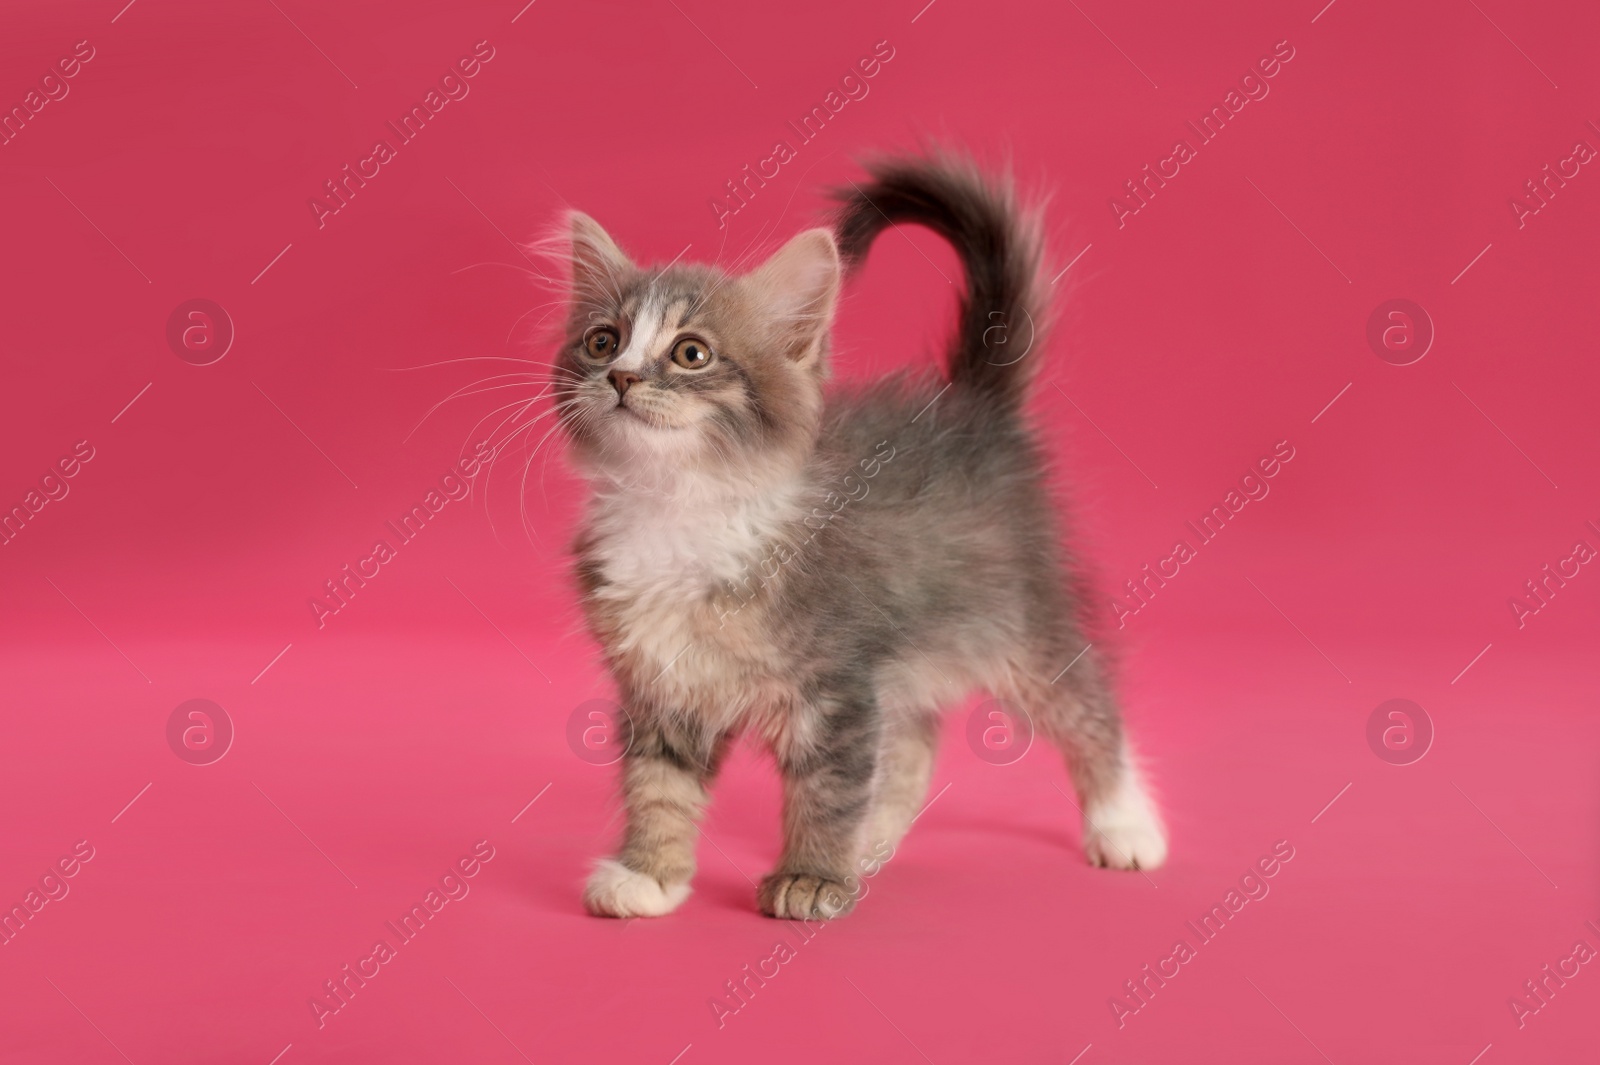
<point x="688" y="372"/>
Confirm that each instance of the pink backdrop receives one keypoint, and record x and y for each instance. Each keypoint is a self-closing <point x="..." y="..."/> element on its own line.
<point x="370" y="755"/>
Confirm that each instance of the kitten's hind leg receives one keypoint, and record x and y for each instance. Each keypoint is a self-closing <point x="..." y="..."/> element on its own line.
<point x="664" y="779"/>
<point x="1122" y="828"/>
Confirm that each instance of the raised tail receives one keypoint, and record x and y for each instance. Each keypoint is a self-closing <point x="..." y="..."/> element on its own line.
<point x="1002" y="317"/>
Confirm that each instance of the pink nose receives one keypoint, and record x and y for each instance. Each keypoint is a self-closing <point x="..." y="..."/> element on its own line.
<point x="622" y="380"/>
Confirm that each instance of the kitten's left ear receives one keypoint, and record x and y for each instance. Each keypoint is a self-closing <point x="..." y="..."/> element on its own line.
<point x="597" y="263"/>
<point x="798" y="288"/>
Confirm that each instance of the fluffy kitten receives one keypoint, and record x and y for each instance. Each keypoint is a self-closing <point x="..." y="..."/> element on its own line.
<point x="825" y="569"/>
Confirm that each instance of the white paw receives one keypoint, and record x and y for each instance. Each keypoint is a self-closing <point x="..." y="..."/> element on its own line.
<point x="614" y="890"/>
<point x="1125" y="832"/>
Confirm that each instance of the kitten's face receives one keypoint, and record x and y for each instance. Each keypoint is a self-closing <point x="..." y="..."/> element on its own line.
<point x="688" y="370"/>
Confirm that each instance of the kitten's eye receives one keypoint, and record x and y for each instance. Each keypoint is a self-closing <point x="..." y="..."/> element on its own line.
<point x="601" y="344"/>
<point x="691" y="354"/>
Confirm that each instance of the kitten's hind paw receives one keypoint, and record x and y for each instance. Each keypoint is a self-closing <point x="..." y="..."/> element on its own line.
<point x="802" y="897"/>
<point x="1126" y="846"/>
<point x="614" y="890"/>
<point x="1126" y="832"/>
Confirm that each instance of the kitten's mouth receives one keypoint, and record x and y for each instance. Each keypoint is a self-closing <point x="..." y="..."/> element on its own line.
<point x="640" y="416"/>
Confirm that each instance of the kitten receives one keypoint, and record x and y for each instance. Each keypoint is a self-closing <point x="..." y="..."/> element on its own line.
<point x="825" y="569"/>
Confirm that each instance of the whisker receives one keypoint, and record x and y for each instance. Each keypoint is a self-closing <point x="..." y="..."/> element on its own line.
<point x="508" y="266"/>
<point x="530" y="310"/>
<point x="468" y="358"/>
<point x="462" y="393"/>
<point x="587" y="410"/>
<point x="504" y="445"/>
<point x="519" y="379"/>
<point x="521" y="405"/>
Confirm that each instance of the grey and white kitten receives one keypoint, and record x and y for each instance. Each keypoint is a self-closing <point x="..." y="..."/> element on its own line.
<point x="824" y="569"/>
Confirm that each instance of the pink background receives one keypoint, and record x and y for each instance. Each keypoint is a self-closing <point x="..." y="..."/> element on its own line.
<point x="374" y="752"/>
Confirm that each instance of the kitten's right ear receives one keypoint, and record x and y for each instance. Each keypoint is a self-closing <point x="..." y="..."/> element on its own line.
<point x="597" y="263"/>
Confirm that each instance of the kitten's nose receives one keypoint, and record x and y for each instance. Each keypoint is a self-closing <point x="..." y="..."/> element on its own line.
<point x="622" y="380"/>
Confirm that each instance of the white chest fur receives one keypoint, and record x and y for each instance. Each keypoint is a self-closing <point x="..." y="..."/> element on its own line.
<point x="665" y="563"/>
<point x="656" y="546"/>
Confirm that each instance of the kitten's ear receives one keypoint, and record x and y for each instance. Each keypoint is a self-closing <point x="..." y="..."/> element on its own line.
<point x="798" y="288"/>
<point x="597" y="263"/>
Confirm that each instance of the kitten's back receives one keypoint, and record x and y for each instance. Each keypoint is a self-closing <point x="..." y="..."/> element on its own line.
<point x="953" y="539"/>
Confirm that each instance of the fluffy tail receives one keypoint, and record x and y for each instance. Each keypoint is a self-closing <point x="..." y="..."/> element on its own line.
<point x="1000" y="328"/>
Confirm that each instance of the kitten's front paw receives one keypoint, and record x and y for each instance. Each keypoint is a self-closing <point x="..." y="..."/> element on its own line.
<point x="614" y="890"/>
<point x="801" y="897"/>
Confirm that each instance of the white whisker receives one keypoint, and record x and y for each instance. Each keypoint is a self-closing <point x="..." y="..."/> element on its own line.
<point x="468" y="358"/>
<point x="462" y="393"/>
